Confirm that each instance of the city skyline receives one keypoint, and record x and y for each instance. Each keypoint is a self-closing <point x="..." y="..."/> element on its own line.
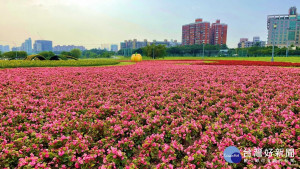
<point x="92" y="23"/>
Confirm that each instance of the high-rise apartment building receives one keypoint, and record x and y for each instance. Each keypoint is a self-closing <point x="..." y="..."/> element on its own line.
<point x="42" y="45"/>
<point x="202" y="32"/>
<point x="218" y="33"/>
<point x="196" y="33"/>
<point x="284" y="30"/>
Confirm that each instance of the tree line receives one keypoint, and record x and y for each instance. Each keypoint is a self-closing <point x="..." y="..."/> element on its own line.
<point x="266" y="51"/>
<point x="76" y="53"/>
<point x="97" y="53"/>
<point x="158" y="51"/>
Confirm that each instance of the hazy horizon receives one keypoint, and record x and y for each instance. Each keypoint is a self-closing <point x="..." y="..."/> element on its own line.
<point x="91" y="23"/>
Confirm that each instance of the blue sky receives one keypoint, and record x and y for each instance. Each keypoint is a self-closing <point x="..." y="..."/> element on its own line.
<point x="95" y="22"/>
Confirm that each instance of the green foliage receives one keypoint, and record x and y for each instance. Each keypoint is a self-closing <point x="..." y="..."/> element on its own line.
<point x="76" y="53"/>
<point x="97" y="53"/>
<point x="265" y="51"/>
<point x="59" y="63"/>
<point x="89" y="54"/>
<point x="35" y="57"/>
<point x="47" y="54"/>
<point x="138" y="51"/>
<point x="194" y="50"/>
<point x="65" y="53"/>
<point x="155" y="51"/>
<point x="127" y="52"/>
<point x="15" y="55"/>
<point x="267" y="58"/>
<point x="107" y="54"/>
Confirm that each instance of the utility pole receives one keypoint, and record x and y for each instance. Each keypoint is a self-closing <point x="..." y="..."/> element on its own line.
<point x="203" y="51"/>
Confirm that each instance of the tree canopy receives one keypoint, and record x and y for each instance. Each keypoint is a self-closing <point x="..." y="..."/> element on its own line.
<point x="76" y="53"/>
<point x="155" y="51"/>
<point x="47" y="54"/>
<point x="97" y="53"/>
<point x="15" y="55"/>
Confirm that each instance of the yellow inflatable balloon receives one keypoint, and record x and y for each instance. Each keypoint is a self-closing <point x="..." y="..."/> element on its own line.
<point x="136" y="58"/>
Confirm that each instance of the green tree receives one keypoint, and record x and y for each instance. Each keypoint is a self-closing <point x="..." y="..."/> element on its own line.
<point x="107" y="54"/>
<point x="89" y="54"/>
<point x="155" y="51"/>
<point x="139" y="51"/>
<point x="224" y="46"/>
<point x="47" y="54"/>
<point x="92" y="53"/>
<point x="15" y="55"/>
<point x="173" y="51"/>
<point x="66" y="53"/>
<point x="76" y="53"/>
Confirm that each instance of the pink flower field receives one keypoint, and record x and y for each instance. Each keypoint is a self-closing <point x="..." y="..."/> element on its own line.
<point x="154" y="114"/>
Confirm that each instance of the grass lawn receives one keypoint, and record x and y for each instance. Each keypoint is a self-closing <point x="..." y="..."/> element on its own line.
<point x="276" y="59"/>
<point x="60" y="63"/>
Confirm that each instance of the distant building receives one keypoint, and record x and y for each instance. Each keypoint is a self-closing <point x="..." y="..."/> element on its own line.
<point x="218" y="33"/>
<point x="114" y="48"/>
<point x="287" y="31"/>
<point x="16" y="49"/>
<point x="104" y="47"/>
<point x="27" y="46"/>
<point x="135" y="44"/>
<point x="256" y="39"/>
<point x="42" y="45"/>
<point x="67" y="48"/>
<point x="244" y="43"/>
<point x="203" y="33"/>
<point x="165" y="42"/>
<point x="4" y="48"/>
<point x="243" y="39"/>
<point x="174" y="43"/>
<point x="196" y="33"/>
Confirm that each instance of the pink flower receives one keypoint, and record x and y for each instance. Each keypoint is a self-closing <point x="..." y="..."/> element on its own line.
<point x="47" y="155"/>
<point x="191" y="158"/>
<point x="61" y="153"/>
<point x="77" y="165"/>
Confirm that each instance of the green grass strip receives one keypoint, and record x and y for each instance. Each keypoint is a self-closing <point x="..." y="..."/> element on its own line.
<point x="59" y="63"/>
